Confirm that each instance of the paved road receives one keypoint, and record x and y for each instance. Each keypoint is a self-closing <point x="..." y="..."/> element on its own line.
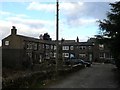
<point x="97" y="76"/>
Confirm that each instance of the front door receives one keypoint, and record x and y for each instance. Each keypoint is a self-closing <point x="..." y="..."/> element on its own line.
<point x="90" y="57"/>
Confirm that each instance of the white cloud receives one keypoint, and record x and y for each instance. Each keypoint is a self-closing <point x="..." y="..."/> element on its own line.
<point x="11" y="14"/>
<point x="87" y="21"/>
<point x="71" y="8"/>
<point x="22" y="1"/>
<point x="67" y="6"/>
<point x="4" y="13"/>
<point x="25" y="26"/>
<point x="71" y="13"/>
<point x="75" y="13"/>
<point x="80" y="12"/>
<point x="64" y="7"/>
<point x="22" y="16"/>
<point x="41" y="6"/>
<point x="83" y="22"/>
<point x="33" y="23"/>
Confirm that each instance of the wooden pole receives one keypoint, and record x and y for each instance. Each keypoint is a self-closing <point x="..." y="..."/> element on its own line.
<point x="57" y="34"/>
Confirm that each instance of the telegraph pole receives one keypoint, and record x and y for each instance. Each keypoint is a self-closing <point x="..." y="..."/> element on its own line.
<point x="57" y="33"/>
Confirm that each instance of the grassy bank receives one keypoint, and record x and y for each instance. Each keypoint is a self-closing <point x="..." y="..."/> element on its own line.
<point x="37" y="79"/>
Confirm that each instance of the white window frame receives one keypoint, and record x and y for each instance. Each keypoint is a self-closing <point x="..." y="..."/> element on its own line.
<point x="89" y="47"/>
<point x="7" y="43"/>
<point x="66" y="55"/>
<point x="82" y="54"/>
<point x="65" y="47"/>
<point x="71" y="47"/>
<point x="101" y="47"/>
<point x="54" y="47"/>
<point x="54" y="55"/>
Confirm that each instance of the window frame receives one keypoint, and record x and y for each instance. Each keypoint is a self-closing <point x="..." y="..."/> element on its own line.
<point x="7" y="43"/>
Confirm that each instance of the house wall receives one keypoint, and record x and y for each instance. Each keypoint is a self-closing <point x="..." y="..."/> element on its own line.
<point x="12" y="58"/>
<point x="12" y="53"/>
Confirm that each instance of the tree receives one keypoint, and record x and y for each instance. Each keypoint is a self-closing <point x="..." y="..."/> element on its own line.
<point x="110" y="30"/>
<point x="46" y="36"/>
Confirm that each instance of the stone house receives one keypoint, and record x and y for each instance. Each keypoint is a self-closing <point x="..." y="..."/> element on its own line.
<point x="19" y="51"/>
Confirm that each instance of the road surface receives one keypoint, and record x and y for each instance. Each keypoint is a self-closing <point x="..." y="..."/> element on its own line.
<point x="97" y="76"/>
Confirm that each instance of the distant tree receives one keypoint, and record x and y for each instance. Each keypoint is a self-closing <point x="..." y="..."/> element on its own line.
<point x="46" y="36"/>
<point x="110" y="31"/>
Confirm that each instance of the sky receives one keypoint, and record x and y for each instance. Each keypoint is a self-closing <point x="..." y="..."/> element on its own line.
<point x="35" y="18"/>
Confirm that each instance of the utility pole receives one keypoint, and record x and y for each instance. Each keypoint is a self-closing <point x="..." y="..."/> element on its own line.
<point x="57" y="33"/>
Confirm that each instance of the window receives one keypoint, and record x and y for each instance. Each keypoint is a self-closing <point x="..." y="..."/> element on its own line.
<point x="29" y="54"/>
<point x="47" y="46"/>
<point x="51" y="54"/>
<point x="51" y="46"/>
<point x="43" y="45"/>
<point x="28" y="46"/>
<point x="6" y="43"/>
<point x="89" y="47"/>
<point x="101" y="46"/>
<point x="101" y="55"/>
<point x="65" y="54"/>
<point x="71" y="47"/>
<point x="82" y="47"/>
<point x="82" y="55"/>
<point x="54" y="47"/>
<point x="40" y="46"/>
<point x="54" y="55"/>
<point x="47" y="55"/>
<point x="65" y="47"/>
<point x="35" y="46"/>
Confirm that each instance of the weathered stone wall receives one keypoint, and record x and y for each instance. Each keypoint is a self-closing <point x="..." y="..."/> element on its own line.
<point x="12" y="58"/>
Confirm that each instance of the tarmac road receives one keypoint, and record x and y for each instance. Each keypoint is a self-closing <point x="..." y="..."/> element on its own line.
<point x="97" y="76"/>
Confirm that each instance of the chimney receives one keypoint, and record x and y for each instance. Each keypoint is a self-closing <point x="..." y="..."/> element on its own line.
<point x="13" y="30"/>
<point x="77" y="39"/>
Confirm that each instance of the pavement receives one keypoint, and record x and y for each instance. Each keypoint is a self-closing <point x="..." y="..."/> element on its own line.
<point x="97" y="76"/>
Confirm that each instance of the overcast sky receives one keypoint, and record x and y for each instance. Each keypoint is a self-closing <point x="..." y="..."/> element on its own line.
<point x="35" y="18"/>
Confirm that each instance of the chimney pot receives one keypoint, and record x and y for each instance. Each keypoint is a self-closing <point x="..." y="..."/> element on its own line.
<point x="13" y="30"/>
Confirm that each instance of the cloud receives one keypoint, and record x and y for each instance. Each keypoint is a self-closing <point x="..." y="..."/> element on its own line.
<point x="33" y="23"/>
<point x="4" y="13"/>
<point x="74" y="12"/>
<point x="22" y="1"/>
<point x="25" y="26"/>
<point x="83" y="11"/>
<point x="50" y="7"/>
<point x="41" y="6"/>
<point x="69" y="9"/>
<point x="82" y="22"/>
<point x="22" y="16"/>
